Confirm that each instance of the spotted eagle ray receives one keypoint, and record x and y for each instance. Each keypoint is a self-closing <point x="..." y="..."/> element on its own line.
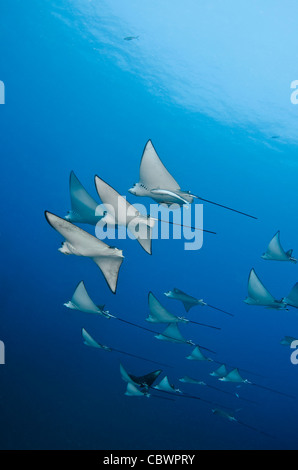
<point x="157" y="183"/>
<point x="235" y="377"/>
<point x="258" y="295"/>
<point x="81" y="301"/>
<point x="276" y="252"/>
<point x="158" y="314"/>
<point x="230" y="417"/>
<point x="92" y="343"/>
<point x="189" y="301"/>
<point x="80" y="243"/>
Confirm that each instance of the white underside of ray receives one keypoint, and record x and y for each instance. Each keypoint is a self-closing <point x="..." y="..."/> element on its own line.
<point x="165" y="386"/>
<point x="81" y="301"/>
<point x="187" y="300"/>
<point x="133" y="391"/>
<point x="125" y="376"/>
<point x="156" y="181"/>
<point x="84" y="209"/>
<point x="80" y="243"/>
<point x="121" y="212"/>
<point x="168" y="197"/>
<point x="173" y="335"/>
<point x="275" y="251"/>
<point x="189" y="380"/>
<point x="225" y="415"/>
<point x="197" y="355"/>
<point x="220" y="372"/>
<point x="153" y="173"/>
<point x="89" y="341"/>
<point x="233" y="377"/>
<point x="292" y="298"/>
<point x="258" y="294"/>
<point x="158" y="314"/>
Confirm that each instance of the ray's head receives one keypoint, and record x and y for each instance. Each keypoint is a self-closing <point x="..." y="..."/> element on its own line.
<point x="133" y="190"/>
<point x="138" y="189"/>
<point x="68" y="216"/>
<point x="169" y="294"/>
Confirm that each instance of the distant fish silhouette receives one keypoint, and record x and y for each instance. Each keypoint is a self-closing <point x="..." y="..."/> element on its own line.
<point x="235" y="377"/>
<point x="276" y="252"/>
<point x="288" y="340"/>
<point x="131" y="38"/>
<point x="192" y="381"/>
<point x="189" y="380"/>
<point x="158" y="184"/>
<point x="230" y="417"/>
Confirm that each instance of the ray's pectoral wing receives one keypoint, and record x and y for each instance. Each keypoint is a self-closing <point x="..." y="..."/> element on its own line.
<point x="83" y="206"/>
<point x="117" y="206"/>
<point x="292" y="298"/>
<point x="275" y="250"/>
<point x="153" y="173"/>
<point x="188" y="305"/>
<point x="108" y="259"/>
<point x="83" y="243"/>
<point x="126" y="376"/>
<point x="80" y="240"/>
<point x="257" y="291"/>
<point x="133" y="391"/>
<point x="110" y="266"/>
<point x="82" y="300"/>
<point x="143" y="234"/>
<point x="125" y="214"/>
<point x="158" y="313"/>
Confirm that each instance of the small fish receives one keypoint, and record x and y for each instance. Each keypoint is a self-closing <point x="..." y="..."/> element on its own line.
<point x="131" y="38"/>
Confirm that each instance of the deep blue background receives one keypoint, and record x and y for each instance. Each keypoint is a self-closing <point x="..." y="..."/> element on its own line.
<point x="74" y="101"/>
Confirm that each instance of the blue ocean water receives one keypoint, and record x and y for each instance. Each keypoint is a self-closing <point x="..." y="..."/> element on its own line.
<point x="210" y="85"/>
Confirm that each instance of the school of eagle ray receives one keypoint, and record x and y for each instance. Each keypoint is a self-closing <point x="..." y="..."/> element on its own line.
<point x="112" y="210"/>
